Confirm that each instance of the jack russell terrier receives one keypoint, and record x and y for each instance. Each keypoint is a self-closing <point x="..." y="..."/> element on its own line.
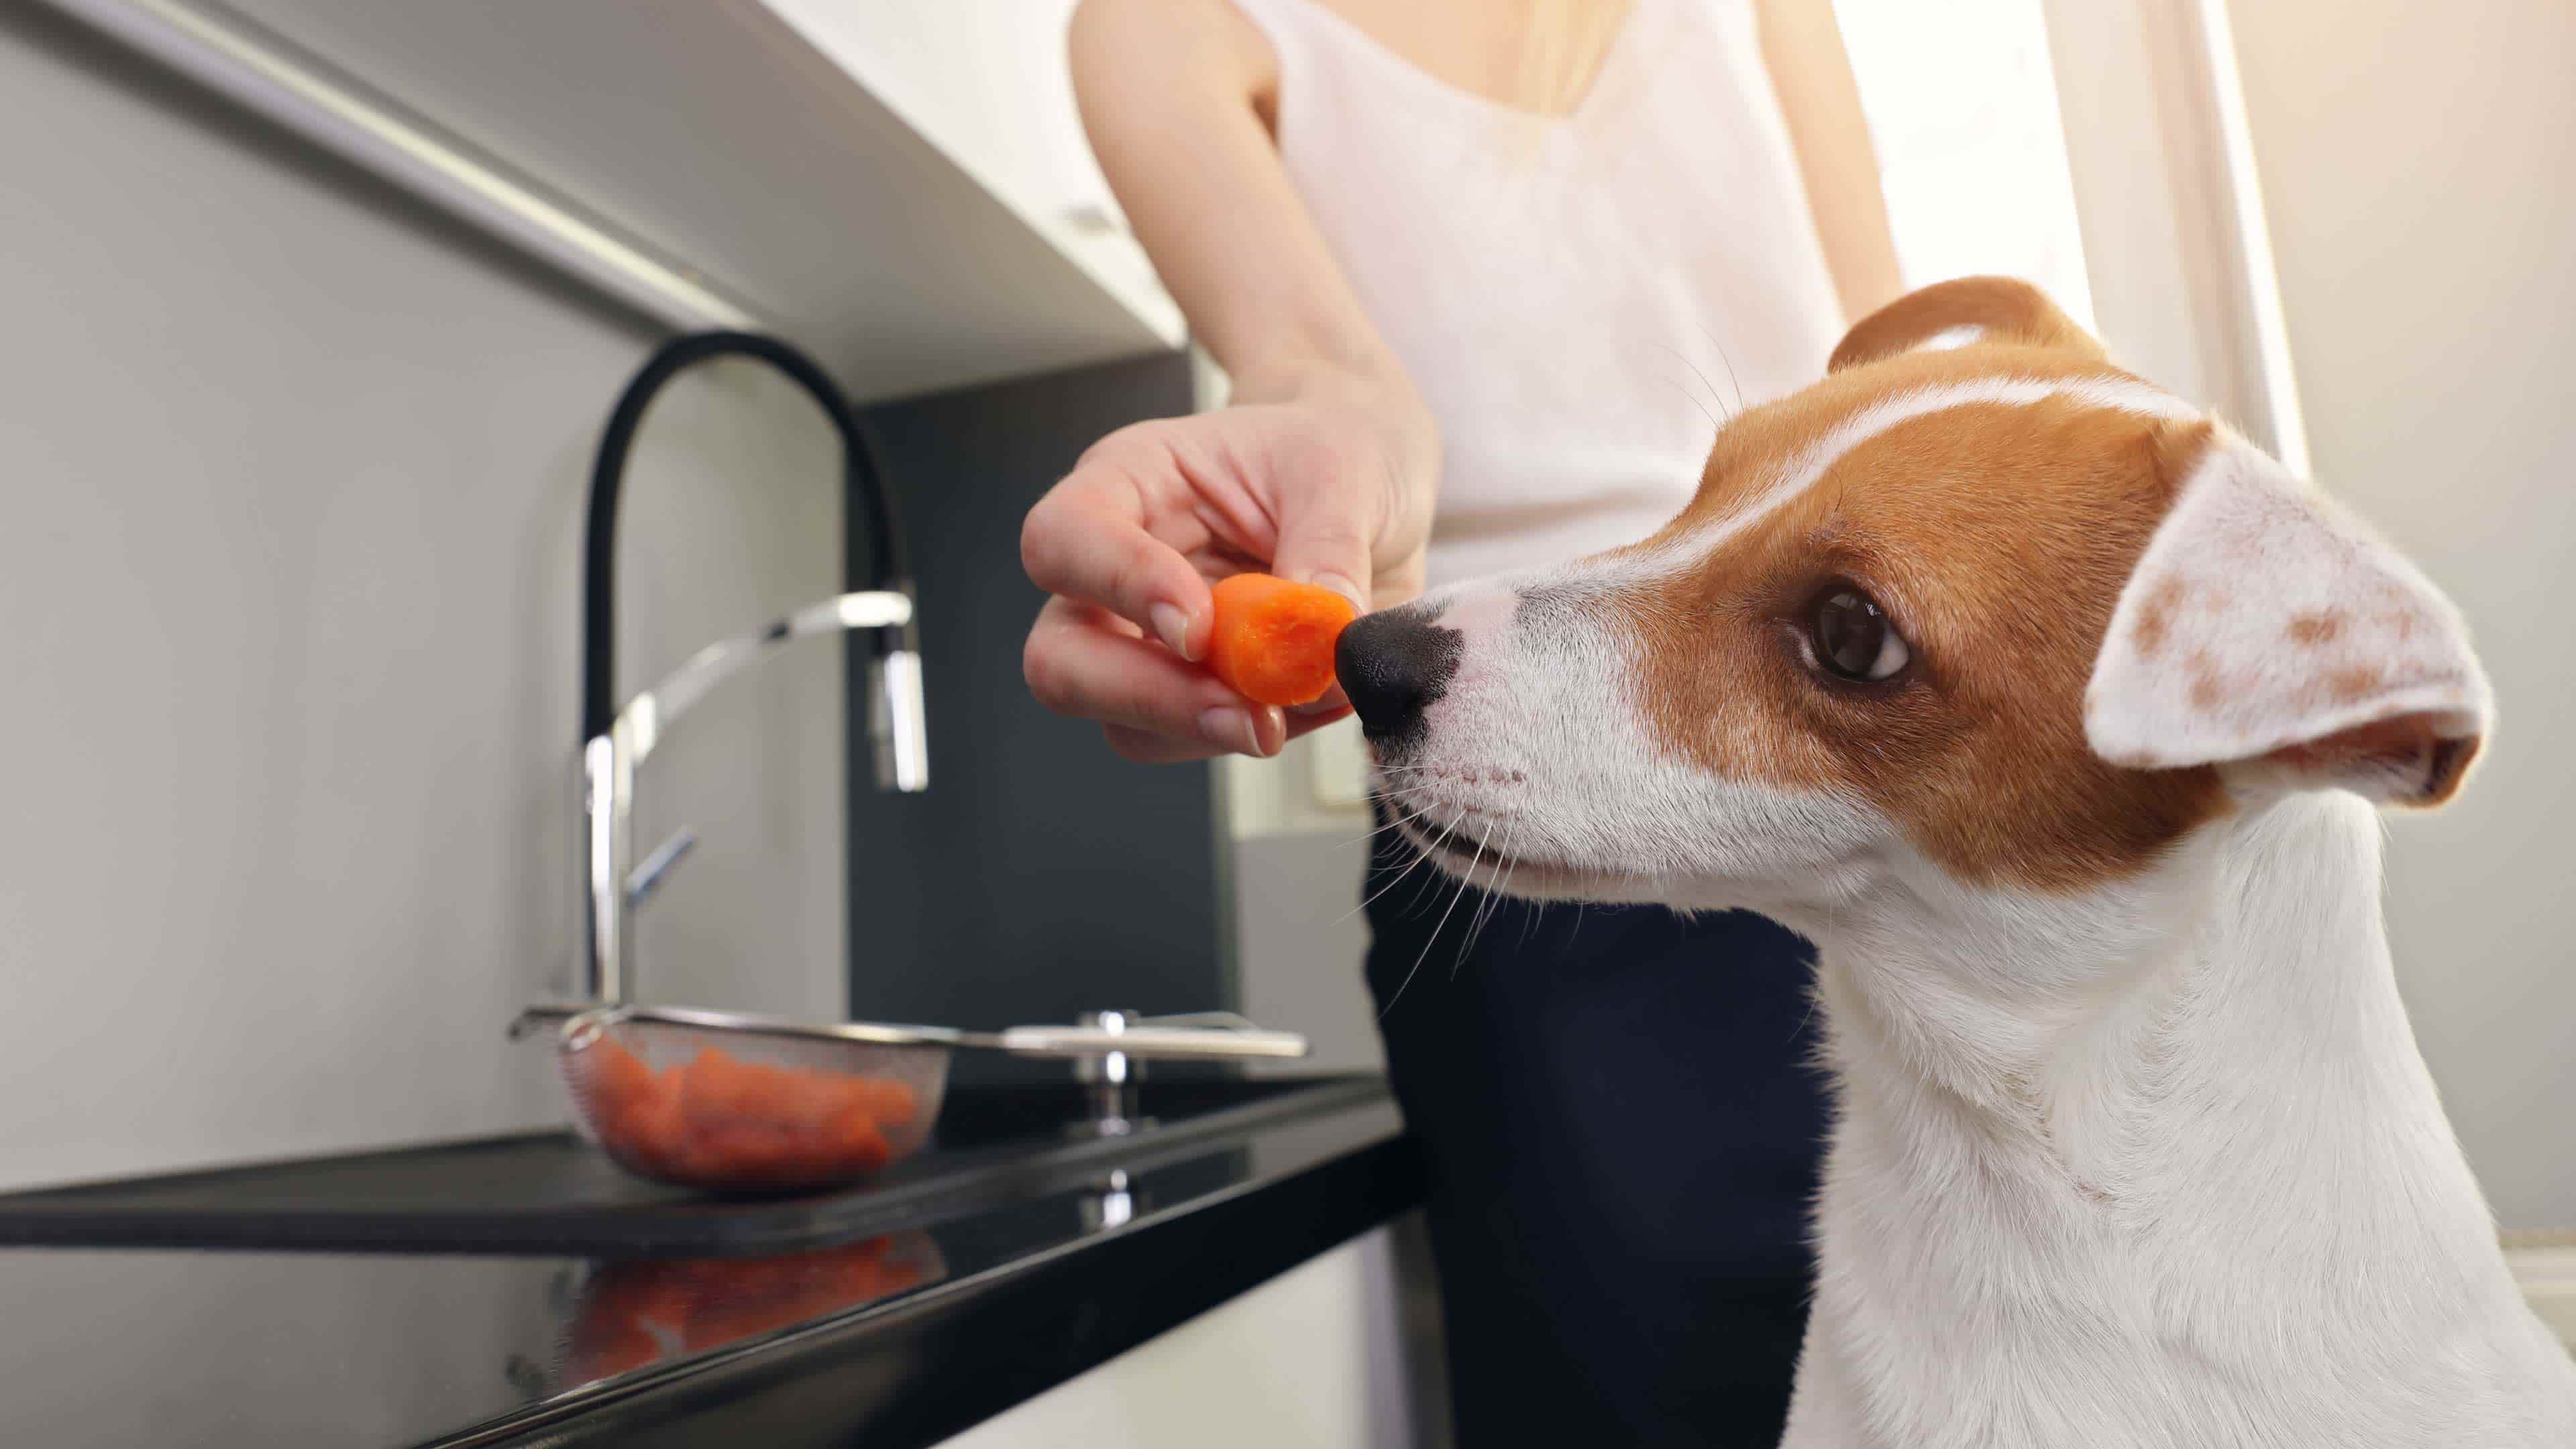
<point x="2055" y="714"/>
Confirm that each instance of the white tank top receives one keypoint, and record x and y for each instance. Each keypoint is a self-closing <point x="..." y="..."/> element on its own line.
<point x="1575" y="297"/>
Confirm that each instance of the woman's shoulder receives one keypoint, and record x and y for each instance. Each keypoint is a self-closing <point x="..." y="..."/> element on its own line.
<point x="1166" y="42"/>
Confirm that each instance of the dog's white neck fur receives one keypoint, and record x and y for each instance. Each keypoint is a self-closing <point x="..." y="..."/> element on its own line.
<point x="2155" y="1165"/>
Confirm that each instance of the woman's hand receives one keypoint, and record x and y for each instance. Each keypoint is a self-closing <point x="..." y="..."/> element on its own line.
<point x="1331" y="484"/>
<point x="1323" y="470"/>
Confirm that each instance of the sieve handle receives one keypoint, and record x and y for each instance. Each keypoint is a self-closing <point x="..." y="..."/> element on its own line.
<point x="1153" y="1043"/>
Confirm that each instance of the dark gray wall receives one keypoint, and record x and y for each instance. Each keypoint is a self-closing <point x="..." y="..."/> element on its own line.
<point x="1040" y="875"/>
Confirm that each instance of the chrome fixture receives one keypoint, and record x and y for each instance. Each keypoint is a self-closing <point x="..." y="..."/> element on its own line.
<point x="1111" y="1203"/>
<point x="1110" y="1078"/>
<point x="616" y="740"/>
<point x="1123" y="1041"/>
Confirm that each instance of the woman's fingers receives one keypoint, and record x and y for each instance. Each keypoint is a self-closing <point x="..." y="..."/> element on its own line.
<point x="1324" y="710"/>
<point x="1305" y="719"/>
<point x="1324" y="535"/>
<point x="1146" y="748"/>
<point x="1086" y="540"/>
<point x="1079" y="662"/>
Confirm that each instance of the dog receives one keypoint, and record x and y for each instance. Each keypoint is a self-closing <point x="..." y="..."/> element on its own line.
<point x="2056" y="715"/>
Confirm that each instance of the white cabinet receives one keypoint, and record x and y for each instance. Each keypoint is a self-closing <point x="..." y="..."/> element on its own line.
<point x="985" y="82"/>
<point x="1315" y="1356"/>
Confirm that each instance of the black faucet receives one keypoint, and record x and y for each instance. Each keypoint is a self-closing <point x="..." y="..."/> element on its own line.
<point x="616" y="739"/>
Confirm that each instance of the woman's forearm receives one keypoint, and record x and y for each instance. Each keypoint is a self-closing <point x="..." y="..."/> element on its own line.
<point x="1811" y="72"/>
<point x="1167" y="93"/>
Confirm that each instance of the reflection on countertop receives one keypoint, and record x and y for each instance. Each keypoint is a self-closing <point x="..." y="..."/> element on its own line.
<point x="138" y="1346"/>
<point x="633" y="1314"/>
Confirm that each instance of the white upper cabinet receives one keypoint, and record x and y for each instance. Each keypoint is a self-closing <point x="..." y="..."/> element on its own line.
<point x="898" y="185"/>
<point x="985" y="82"/>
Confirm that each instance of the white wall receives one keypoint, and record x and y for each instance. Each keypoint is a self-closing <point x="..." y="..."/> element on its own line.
<point x="290" y="485"/>
<point x="2417" y="166"/>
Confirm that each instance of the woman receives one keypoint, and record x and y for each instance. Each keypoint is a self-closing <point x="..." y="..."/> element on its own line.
<point x="1483" y="273"/>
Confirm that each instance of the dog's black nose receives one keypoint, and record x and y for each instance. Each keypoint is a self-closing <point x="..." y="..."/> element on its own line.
<point x="1393" y="665"/>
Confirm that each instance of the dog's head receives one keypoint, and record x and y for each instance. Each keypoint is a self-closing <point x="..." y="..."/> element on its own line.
<point x="1977" y="599"/>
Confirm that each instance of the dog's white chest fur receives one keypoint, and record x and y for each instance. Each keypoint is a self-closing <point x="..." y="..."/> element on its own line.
<point x="2215" y="1202"/>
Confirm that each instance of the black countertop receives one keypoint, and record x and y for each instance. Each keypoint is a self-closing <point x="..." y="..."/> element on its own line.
<point x="903" y="1337"/>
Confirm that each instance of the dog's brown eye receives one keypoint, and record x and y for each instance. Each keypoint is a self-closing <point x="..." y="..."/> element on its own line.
<point x="1853" y="638"/>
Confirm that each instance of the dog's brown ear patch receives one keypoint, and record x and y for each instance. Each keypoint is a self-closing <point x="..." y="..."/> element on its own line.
<point x="1959" y="313"/>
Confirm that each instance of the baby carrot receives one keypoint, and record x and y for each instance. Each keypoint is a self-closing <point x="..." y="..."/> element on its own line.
<point x="1274" y="639"/>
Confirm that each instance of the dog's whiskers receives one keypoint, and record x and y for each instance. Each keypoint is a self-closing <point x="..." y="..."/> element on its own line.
<point x="1713" y="424"/>
<point x="1419" y="856"/>
<point x="1486" y="903"/>
<point x="1403" y="817"/>
<point x="1730" y="366"/>
<point x="1703" y="378"/>
<point x="1492" y="904"/>
<point x="1432" y="881"/>
<point x="1434" y="940"/>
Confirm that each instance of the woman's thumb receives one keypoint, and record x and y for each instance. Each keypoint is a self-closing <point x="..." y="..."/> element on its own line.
<point x="1325" y="542"/>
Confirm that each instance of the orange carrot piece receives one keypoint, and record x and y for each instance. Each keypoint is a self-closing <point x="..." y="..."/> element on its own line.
<point x="636" y="1111"/>
<point x="617" y="1072"/>
<point x="1274" y="639"/>
<point x="717" y="1090"/>
<point x="891" y="1101"/>
<point x="854" y="1141"/>
<point x="809" y="1098"/>
<point x="724" y="1122"/>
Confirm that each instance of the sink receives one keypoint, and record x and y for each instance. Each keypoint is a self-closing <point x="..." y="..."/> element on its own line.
<point x="553" y="1194"/>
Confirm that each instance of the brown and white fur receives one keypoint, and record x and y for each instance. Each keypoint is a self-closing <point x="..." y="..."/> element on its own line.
<point x="2134" y="1145"/>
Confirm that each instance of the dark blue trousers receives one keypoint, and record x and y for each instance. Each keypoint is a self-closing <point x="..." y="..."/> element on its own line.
<point x="1623" y="1133"/>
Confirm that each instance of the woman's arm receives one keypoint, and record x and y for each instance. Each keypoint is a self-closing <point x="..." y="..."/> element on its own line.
<point x="1812" y="74"/>
<point x="1321" y="468"/>
<point x="1170" y="92"/>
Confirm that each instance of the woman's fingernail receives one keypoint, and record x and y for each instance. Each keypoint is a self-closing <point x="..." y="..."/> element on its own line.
<point x="1172" y="626"/>
<point x="1344" y="587"/>
<point x="1229" y="728"/>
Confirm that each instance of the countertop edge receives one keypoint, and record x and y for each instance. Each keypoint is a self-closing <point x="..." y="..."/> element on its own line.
<point x="922" y="1369"/>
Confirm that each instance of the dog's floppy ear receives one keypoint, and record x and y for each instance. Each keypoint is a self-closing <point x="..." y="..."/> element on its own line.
<point x="2267" y="632"/>
<point x="1956" y="313"/>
